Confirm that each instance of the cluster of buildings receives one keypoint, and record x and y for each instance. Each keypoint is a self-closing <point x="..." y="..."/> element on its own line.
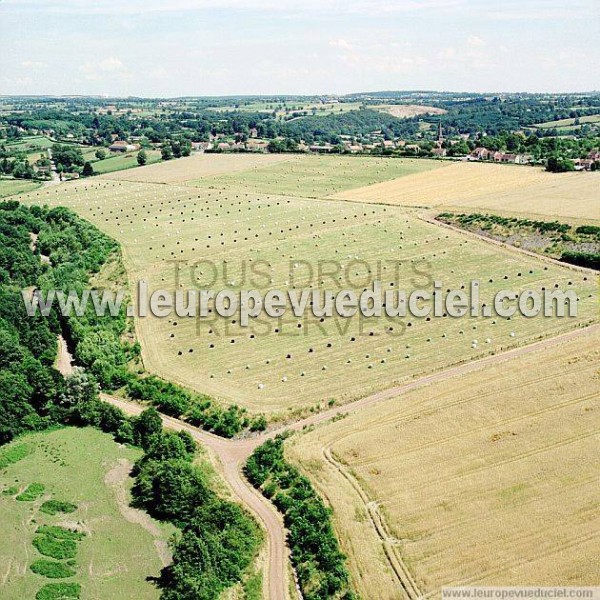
<point x="498" y="156"/>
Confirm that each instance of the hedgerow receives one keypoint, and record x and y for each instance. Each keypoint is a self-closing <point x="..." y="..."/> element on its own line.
<point x="315" y="553"/>
<point x="218" y="538"/>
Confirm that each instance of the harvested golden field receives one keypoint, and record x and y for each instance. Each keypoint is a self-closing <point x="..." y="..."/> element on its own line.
<point x="503" y="189"/>
<point x="293" y="364"/>
<point x="487" y="478"/>
<point x="197" y="166"/>
<point x="403" y="111"/>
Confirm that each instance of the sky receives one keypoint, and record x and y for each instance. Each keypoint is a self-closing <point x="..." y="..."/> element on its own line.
<point x="160" y="48"/>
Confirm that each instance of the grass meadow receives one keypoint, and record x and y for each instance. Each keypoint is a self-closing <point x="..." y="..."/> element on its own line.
<point x="123" y="161"/>
<point x="85" y="467"/>
<point x="10" y="187"/>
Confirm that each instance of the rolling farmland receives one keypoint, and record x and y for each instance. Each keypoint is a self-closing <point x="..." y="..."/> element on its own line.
<point x="504" y="457"/>
<point x="314" y="176"/>
<point x="502" y="189"/>
<point x="10" y="187"/>
<point x="196" y="166"/>
<point x="289" y="367"/>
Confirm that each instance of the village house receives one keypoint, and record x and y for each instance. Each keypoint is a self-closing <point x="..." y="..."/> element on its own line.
<point x="439" y="151"/>
<point x="201" y="146"/>
<point x="354" y="148"/>
<point x="323" y="148"/>
<point x="257" y="145"/>
<point x="480" y="154"/>
<point x="583" y="164"/>
<point x="121" y="146"/>
<point x="523" y="159"/>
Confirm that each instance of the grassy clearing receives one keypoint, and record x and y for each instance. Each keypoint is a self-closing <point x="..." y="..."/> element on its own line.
<point x="123" y="161"/>
<point x="113" y="550"/>
<point x="488" y="478"/>
<point x="304" y="364"/>
<point x="37" y="142"/>
<point x="504" y="189"/>
<point x="10" y="187"/>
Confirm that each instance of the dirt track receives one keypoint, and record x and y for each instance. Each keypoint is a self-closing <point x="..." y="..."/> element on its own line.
<point x="233" y="453"/>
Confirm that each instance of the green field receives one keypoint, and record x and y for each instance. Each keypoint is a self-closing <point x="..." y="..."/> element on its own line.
<point x="283" y="108"/>
<point x="569" y="123"/>
<point x="314" y="176"/>
<point x="9" y="187"/>
<point x="87" y="468"/>
<point x="292" y="366"/>
<point x="121" y="161"/>
<point x="37" y="142"/>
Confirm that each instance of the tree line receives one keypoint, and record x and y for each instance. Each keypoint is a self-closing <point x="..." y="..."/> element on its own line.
<point x="217" y="539"/>
<point x="315" y="553"/>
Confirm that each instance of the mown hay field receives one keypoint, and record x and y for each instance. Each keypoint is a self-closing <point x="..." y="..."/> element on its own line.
<point x="317" y="176"/>
<point x="122" y="546"/>
<point x="10" y="187"/>
<point x="196" y="166"/>
<point x="292" y="366"/>
<point x="487" y="478"/>
<point x="502" y="189"/>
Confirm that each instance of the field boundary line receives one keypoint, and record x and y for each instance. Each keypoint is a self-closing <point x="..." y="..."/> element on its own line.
<point x="388" y="541"/>
<point x="553" y="261"/>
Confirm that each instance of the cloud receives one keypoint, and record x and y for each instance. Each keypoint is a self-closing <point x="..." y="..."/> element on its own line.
<point x="447" y="53"/>
<point x="107" y="68"/>
<point x="331" y="7"/>
<point x="475" y="41"/>
<point x="340" y="43"/>
<point x="32" y="64"/>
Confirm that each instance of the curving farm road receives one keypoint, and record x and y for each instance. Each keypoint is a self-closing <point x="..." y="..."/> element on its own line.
<point x="233" y="453"/>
